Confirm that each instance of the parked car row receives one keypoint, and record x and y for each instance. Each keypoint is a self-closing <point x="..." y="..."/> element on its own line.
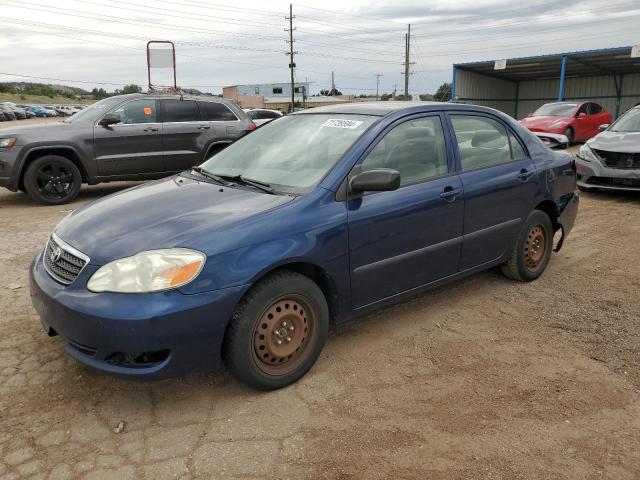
<point x="11" y="111"/>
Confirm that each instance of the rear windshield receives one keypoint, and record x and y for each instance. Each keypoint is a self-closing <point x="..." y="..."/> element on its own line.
<point x="554" y="109"/>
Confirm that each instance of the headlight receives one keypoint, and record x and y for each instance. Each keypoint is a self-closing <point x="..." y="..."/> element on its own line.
<point x="586" y="153"/>
<point x="150" y="271"/>
<point x="7" y="142"/>
<point x="557" y="123"/>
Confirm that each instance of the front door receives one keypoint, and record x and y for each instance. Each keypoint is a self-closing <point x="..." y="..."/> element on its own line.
<point x="409" y="237"/>
<point x="133" y="146"/>
<point x="500" y="182"/>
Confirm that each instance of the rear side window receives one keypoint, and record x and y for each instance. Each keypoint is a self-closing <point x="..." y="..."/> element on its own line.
<point x="181" y="111"/>
<point x="517" y="150"/>
<point x="214" y="111"/>
<point x="415" y="148"/>
<point x="482" y="142"/>
<point x="594" y="108"/>
<point x="137" y="111"/>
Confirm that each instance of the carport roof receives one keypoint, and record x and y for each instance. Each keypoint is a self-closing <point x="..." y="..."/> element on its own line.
<point x="608" y="61"/>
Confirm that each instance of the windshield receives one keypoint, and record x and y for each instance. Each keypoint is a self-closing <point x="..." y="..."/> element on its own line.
<point x="293" y="152"/>
<point x="92" y="112"/>
<point x="555" y="109"/>
<point x="629" y="122"/>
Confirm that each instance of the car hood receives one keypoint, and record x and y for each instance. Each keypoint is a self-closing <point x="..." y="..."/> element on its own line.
<point x="37" y="132"/>
<point x="621" y="142"/>
<point x="541" y="122"/>
<point x="173" y="212"/>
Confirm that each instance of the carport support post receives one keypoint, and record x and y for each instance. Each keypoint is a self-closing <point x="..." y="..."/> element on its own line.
<point x="563" y="69"/>
<point x="453" y="86"/>
<point x="515" y="113"/>
<point x="618" y="93"/>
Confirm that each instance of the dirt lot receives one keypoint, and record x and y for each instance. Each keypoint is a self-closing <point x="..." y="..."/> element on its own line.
<point x="482" y="379"/>
<point x="29" y="121"/>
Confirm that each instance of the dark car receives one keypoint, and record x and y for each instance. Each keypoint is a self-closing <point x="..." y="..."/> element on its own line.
<point x="310" y="220"/>
<point x="3" y="117"/>
<point x="611" y="160"/>
<point x="128" y="137"/>
<point x="9" y="115"/>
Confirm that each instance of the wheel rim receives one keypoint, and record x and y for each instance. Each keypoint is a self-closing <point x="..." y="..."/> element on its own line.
<point x="535" y="248"/>
<point x="284" y="334"/>
<point x="54" y="180"/>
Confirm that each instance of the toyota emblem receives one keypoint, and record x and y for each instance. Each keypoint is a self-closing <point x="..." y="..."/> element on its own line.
<point x="55" y="254"/>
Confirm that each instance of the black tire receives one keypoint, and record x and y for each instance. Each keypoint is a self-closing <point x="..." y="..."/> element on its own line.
<point x="250" y="349"/>
<point x="569" y="133"/>
<point x="527" y="261"/>
<point x="53" y="180"/>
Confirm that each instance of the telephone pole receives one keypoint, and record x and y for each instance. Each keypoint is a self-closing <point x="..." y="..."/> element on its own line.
<point x="407" y="64"/>
<point x="378" y="75"/>
<point x="291" y="53"/>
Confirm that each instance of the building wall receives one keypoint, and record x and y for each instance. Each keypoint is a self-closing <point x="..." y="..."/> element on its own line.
<point x="266" y="89"/>
<point x="487" y="91"/>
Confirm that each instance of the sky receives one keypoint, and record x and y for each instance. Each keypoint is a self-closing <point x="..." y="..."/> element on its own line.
<point x="102" y="43"/>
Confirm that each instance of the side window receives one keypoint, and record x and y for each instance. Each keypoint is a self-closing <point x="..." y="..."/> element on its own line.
<point x="594" y="109"/>
<point x="253" y="115"/>
<point x="482" y="142"/>
<point x="517" y="150"/>
<point x="215" y="111"/>
<point x="415" y="148"/>
<point x="277" y="89"/>
<point x="138" y="111"/>
<point x="271" y="115"/>
<point x="181" y="111"/>
<point x="584" y="108"/>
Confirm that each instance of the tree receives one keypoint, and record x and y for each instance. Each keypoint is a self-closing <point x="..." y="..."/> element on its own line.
<point x="331" y="93"/>
<point x="443" y="94"/>
<point x="132" y="88"/>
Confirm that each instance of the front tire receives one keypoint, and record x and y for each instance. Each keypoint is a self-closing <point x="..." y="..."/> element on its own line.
<point x="532" y="250"/>
<point x="53" y="180"/>
<point x="570" y="135"/>
<point x="277" y="331"/>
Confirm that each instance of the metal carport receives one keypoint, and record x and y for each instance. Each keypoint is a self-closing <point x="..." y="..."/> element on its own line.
<point x="609" y="76"/>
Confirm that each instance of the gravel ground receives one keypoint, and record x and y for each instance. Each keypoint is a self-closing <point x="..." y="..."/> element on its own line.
<point x="28" y="121"/>
<point x="481" y="379"/>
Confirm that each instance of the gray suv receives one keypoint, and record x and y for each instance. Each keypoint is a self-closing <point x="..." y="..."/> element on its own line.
<point x="127" y="137"/>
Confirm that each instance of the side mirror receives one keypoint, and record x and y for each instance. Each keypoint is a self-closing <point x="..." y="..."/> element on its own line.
<point x="109" y="119"/>
<point x="603" y="127"/>
<point x="530" y="114"/>
<point x="581" y="115"/>
<point x="378" y="180"/>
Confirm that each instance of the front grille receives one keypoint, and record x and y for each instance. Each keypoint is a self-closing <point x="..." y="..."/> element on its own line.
<point x="614" y="182"/>
<point x="63" y="262"/>
<point x="620" y="160"/>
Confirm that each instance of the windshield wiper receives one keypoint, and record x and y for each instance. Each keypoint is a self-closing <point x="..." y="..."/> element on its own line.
<point x="265" y="187"/>
<point x="210" y="176"/>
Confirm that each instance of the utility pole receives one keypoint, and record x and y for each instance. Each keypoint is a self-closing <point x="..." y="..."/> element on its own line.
<point x="333" y="84"/>
<point x="291" y="53"/>
<point x="407" y="64"/>
<point x="378" y="75"/>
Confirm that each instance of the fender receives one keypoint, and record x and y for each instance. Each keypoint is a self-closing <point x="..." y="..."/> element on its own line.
<point x="33" y="148"/>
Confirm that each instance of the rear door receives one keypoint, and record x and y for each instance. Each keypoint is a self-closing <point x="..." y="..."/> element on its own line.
<point x="583" y="124"/>
<point x="133" y="146"/>
<point x="598" y="116"/>
<point x="185" y="135"/>
<point x="412" y="236"/>
<point x="500" y="184"/>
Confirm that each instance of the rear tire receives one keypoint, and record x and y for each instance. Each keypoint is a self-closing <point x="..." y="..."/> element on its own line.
<point x="277" y="331"/>
<point x="532" y="250"/>
<point x="52" y="180"/>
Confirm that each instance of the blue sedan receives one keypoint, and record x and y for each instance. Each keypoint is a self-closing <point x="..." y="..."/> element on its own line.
<point x="311" y="220"/>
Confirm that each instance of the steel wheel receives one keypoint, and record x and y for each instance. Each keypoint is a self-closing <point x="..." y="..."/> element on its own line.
<point x="283" y="334"/>
<point x="535" y="248"/>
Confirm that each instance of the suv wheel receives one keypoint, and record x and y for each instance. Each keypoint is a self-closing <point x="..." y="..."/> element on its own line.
<point x="277" y="331"/>
<point x="532" y="250"/>
<point x="53" y="180"/>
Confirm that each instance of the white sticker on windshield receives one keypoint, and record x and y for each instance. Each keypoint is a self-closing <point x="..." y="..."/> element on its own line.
<point x="341" y="123"/>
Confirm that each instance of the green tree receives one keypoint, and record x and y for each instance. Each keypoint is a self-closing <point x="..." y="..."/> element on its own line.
<point x="132" y="88"/>
<point x="443" y="94"/>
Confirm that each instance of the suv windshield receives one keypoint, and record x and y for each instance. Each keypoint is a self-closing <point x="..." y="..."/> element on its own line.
<point x="295" y="152"/>
<point x="94" y="111"/>
<point x="629" y="122"/>
<point x="554" y="109"/>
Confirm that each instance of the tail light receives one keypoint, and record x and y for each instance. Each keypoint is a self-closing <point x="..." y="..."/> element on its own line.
<point x="251" y="126"/>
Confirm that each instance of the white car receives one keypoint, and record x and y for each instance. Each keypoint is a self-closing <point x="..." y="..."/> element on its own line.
<point x="260" y="116"/>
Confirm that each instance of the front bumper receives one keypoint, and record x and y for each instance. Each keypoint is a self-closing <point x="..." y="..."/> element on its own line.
<point x="177" y="333"/>
<point x="8" y="162"/>
<point x="594" y="175"/>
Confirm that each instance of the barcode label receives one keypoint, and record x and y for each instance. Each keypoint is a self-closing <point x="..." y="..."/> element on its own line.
<point x="340" y="123"/>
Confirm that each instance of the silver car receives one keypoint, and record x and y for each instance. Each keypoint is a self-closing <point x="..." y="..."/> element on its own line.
<point x="611" y="159"/>
<point x="260" y="116"/>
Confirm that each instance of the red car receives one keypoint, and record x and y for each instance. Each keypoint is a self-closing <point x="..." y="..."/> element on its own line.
<point x="578" y="121"/>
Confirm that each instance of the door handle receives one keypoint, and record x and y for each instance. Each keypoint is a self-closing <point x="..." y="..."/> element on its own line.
<point x="151" y="129"/>
<point x="525" y="174"/>
<point x="449" y="194"/>
<point x="204" y="127"/>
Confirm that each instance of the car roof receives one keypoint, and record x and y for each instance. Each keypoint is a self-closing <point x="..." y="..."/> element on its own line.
<point x="382" y="108"/>
<point x="174" y="96"/>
